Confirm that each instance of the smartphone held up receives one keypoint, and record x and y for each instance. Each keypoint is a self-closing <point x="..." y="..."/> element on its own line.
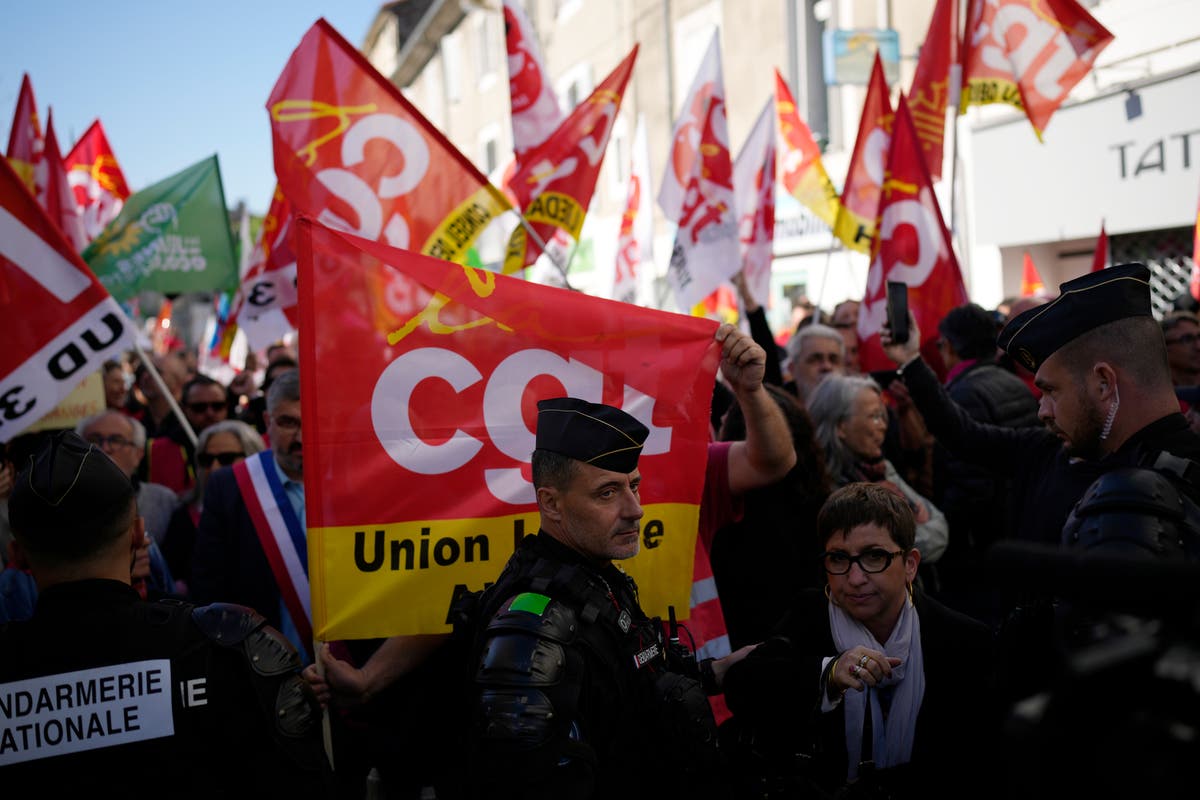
<point x="897" y="310"/>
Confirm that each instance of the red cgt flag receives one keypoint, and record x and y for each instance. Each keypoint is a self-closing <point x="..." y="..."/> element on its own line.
<point x="60" y="324"/>
<point x="1028" y="53"/>
<point x="96" y="179"/>
<point x="913" y="246"/>
<point x="930" y="91"/>
<point x="554" y="182"/>
<point x="353" y="153"/>
<point x="26" y="143"/>
<point x="804" y="175"/>
<point x="418" y="432"/>
<point x="855" y="224"/>
<point x="1100" y="256"/>
<point x="59" y="199"/>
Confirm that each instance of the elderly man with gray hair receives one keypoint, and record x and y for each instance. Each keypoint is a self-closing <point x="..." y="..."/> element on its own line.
<point x="813" y="352"/>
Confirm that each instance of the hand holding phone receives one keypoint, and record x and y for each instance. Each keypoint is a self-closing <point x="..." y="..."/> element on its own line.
<point x="897" y="310"/>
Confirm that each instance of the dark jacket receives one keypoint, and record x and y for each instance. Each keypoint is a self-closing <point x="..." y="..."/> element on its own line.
<point x="775" y="697"/>
<point x="228" y="563"/>
<point x="235" y="731"/>
<point x="975" y="500"/>
<point x="573" y="696"/>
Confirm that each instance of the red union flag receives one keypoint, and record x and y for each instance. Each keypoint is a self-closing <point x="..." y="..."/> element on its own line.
<point x="555" y="181"/>
<point x="855" y="224"/>
<point x="931" y="88"/>
<point x="754" y="182"/>
<point x="418" y="432"/>
<point x="353" y="153"/>
<point x="1028" y="53"/>
<point x="804" y="175"/>
<point x="26" y="142"/>
<point x="913" y="246"/>
<point x="535" y="111"/>
<point x="59" y="200"/>
<point x="96" y="179"/>
<point x="265" y="305"/>
<point x="60" y="324"/>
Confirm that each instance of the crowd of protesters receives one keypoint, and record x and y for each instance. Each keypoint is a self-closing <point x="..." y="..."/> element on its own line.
<point x="901" y="484"/>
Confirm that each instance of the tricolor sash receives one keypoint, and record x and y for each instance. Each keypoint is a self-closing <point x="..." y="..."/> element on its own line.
<point x="282" y="538"/>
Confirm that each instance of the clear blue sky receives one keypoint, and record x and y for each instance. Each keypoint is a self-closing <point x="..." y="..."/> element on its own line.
<point x="172" y="82"/>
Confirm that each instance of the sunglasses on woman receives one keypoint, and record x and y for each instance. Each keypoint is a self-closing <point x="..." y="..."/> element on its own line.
<point x="224" y="459"/>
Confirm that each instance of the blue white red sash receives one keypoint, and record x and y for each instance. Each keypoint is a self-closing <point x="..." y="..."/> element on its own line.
<point x="282" y="538"/>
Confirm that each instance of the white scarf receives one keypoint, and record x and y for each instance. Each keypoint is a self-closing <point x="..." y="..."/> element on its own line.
<point x="891" y="741"/>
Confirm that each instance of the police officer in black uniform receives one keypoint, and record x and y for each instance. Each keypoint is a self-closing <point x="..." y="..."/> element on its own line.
<point x="103" y="694"/>
<point x="576" y="696"/>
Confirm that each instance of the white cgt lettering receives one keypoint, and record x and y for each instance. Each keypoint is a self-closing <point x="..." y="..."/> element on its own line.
<point x="361" y="196"/>
<point x="919" y="215"/>
<point x="392" y="397"/>
<point x="1035" y="34"/>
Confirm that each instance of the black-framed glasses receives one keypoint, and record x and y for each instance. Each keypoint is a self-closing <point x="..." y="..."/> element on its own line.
<point x="1188" y="339"/>
<point x="874" y="560"/>
<point x="200" y="406"/>
<point x="224" y="459"/>
<point x="286" y="423"/>
<point x="116" y="440"/>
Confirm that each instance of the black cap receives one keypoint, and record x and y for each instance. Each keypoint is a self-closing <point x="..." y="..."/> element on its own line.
<point x="595" y="434"/>
<point x="67" y="486"/>
<point x="1083" y="304"/>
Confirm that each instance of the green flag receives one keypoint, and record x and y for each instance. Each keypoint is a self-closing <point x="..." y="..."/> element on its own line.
<point x="171" y="237"/>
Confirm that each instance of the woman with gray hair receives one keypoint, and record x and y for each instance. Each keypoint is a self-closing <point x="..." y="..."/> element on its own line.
<point x="221" y="444"/>
<point x="851" y="422"/>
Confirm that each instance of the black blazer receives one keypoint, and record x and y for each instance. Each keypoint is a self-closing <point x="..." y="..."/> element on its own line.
<point x="228" y="563"/>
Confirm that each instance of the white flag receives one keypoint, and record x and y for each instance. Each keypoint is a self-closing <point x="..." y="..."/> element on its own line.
<point x="635" y="241"/>
<point x="697" y="190"/>
<point x="535" y="111"/>
<point x="754" y="184"/>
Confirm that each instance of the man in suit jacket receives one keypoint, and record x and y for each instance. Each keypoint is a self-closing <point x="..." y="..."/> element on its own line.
<point x="253" y="511"/>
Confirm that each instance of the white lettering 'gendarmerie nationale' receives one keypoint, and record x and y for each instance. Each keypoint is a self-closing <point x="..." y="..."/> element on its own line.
<point x="85" y="710"/>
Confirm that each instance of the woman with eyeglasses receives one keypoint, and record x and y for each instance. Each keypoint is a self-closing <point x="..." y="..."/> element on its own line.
<point x="870" y="688"/>
<point x="222" y="444"/>
<point x="851" y="422"/>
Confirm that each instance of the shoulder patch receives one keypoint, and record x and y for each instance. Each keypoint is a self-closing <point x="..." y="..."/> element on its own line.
<point x="529" y="602"/>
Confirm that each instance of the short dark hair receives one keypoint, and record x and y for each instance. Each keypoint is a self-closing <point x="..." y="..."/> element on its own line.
<point x="552" y="469"/>
<point x="1133" y="343"/>
<point x="864" y="504"/>
<point x="199" y="380"/>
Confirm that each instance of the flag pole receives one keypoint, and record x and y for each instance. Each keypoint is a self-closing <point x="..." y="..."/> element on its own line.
<point x="162" y="387"/>
<point x="824" y="276"/>
<point x="541" y="243"/>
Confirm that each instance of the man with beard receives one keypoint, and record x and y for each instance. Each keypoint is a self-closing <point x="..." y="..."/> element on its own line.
<point x="1108" y="405"/>
<point x="1107" y="399"/>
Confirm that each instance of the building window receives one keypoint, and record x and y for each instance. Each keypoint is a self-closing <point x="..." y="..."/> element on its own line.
<point x="488" y="35"/>
<point x="574" y="86"/>
<point x="489" y="149"/>
<point x="452" y="67"/>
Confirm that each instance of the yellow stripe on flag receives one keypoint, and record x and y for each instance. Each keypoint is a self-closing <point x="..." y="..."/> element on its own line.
<point x="458" y="231"/>
<point x="369" y="580"/>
